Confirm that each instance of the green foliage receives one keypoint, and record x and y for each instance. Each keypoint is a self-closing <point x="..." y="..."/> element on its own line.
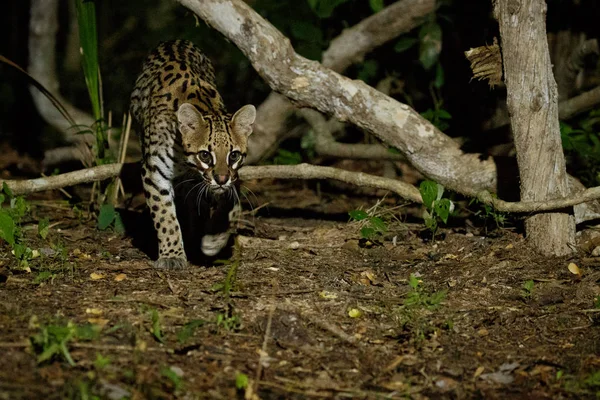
<point x="156" y="328"/>
<point x="581" y="143"/>
<point x="487" y="213"/>
<point x="108" y="217"/>
<point x="188" y="330"/>
<point x="376" y="5"/>
<point x="430" y="44"/>
<point x="88" y="37"/>
<point x="597" y="302"/>
<point x="438" y="117"/>
<point x="373" y="228"/>
<point x="228" y="321"/>
<point x="405" y="43"/>
<point x="285" y="157"/>
<point x="52" y="340"/>
<point x="10" y="225"/>
<point x="436" y="208"/>
<point x="368" y="70"/>
<point x="324" y="8"/>
<point x="43" y="276"/>
<point x="43" y="227"/>
<point x="101" y="362"/>
<point x="173" y="376"/>
<point x="527" y="289"/>
<point x="417" y="297"/>
<point x="241" y="381"/>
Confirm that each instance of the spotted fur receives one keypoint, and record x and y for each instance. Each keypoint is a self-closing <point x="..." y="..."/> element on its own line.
<point x="188" y="136"/>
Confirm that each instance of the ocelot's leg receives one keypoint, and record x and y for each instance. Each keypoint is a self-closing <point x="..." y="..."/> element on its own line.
<point x="160" y="200"/>
<point x="217" y="230"/>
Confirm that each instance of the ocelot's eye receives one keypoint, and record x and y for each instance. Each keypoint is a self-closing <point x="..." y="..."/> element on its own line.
<point x="205" y="157"/>
<point x="234" y="157"/>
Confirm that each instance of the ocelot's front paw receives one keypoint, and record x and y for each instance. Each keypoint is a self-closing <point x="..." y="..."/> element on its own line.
<point x="212" y="244"/>
<point x="171" y="263"/>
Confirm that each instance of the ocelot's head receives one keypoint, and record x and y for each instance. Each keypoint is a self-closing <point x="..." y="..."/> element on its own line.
<point x="215" y="145"/>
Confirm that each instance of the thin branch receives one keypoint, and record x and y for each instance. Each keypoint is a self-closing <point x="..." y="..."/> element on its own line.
<point x="302" y="171"/>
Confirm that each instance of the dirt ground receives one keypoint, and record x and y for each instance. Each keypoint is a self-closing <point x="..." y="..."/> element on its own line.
<point x="303" y="309"/>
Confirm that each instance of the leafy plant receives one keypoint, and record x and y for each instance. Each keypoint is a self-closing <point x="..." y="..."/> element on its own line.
<point x="110" y="217"/>
<point x="52" y="340"/>
<point x="241" y="381"/>
<point x="527" y="289"/>
<point x="88" y="37"/>
<point x="156" y="329"/>
<point x="228" y="321"/>
<point x="581" y="142"/>
<point x="417" y="297"/>
<point x="188" y="329"/>
<point x="10" y="225"/>
<point x="373" y="226"/>
<point x="175" y="378"/>
<point x="286" y="157"/>
<point x="437" y="208"/>
<point x="488" y="212"/>
<point x="324" y="8"/>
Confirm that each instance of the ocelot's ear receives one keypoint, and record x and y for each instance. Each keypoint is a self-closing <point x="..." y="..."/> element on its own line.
<point x="242" y="120"/>
<point x="190" y="121"/>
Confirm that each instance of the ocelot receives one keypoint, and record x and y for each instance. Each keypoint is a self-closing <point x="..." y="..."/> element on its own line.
<point x="188" y="137"/>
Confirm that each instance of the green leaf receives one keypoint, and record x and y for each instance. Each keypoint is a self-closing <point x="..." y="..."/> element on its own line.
<point x="285" y="157"/>
<point x="429" y="191"/>
<point x="378" y="224"/>
<point x="43" y="227"/>
<point x="413" y="282"/>
<point x="324" y="8"/>
<point x="173" y="377"/>
<point x="7" y="227"/>
<point x="241" y="381"/>
<point x="106" y="216"/>
<point x="156" y="329"/>
<point x="404" y="44"/>
<point x="439" y="76"/>
<point x="443" y="208"/>
<point x="42" y="277"/>
<point x="19" y="207"/>
<point x="119" y="225"/>
<point x="304" y="30"/>
<point x="101" y="361"/>
<point x="358" y="215"/>
<point x="376" y="5"/>
<point x="188" y="330"/>
<point x="367" y="232"/>
<point x="368" y="70"/>
<point x="431" y="44"/>
<point x="6" y="190"/>
<point x="443" y="114"/>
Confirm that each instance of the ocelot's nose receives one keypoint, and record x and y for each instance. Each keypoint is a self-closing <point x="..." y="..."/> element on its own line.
<point x="221" y="179"/>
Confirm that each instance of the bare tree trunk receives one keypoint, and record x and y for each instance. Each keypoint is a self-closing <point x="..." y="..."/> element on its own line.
<point x="533" y="105"/>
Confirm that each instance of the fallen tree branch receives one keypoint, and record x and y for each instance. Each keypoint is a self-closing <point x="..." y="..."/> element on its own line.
<point x="350" y="46"/>
<point x="307" y="82"/>
<point x="300" y="171"/>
